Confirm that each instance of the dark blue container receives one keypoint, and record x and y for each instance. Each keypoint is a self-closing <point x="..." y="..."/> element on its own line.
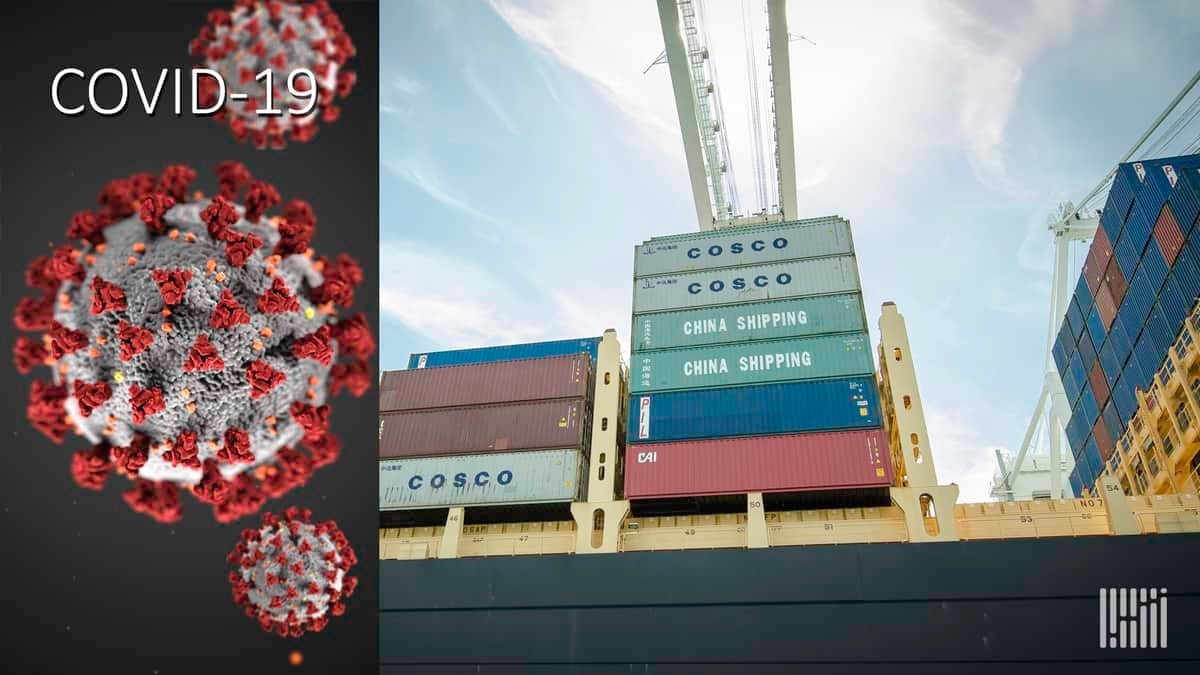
<point x="1127" y="255"/>
<point x="1141" y="223"/>
<point x="793" y="407"/>
<point x="1119" y="339"/>
<point x="1112" y="420"/>
<point x="1154" y="265"/>
<point x="529" y="350"/>
<point x="1083" y="295"/>
<point x="1120" y="195"/>
<point x="1077" y="431"/>
<point x="1087" y="351"/>
<point x="1187" y="271"/>
<point x="1109" y="363"/>
<point x="1078" y="374"/>
<point x="1074" y="320"/>
<point x="1175" y="304"/>
<point x="1148" y="358"/>
<point x="1061" y="357"/>
<point x="1125" y="400"/>
<point x="1161" y="334"/>
<point x="1095" y="327"/>
<point x="1110" y="220"/>
<point x="1070" y="380"/>
<point x="1140" y="298"/>
<point x="1095" y="465"/>
<point x="1088" y="405"/>
<point x="1185" y="200"/>
<point x="1076" y="483"/>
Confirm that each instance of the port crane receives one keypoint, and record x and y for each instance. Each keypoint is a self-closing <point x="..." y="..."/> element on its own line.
<point x="1072" y="223"/>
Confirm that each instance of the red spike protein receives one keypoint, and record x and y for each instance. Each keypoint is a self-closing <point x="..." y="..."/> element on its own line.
<point x="293" y="574"/>
<point x="193" y="342"/>
<point x="279" y="38"/>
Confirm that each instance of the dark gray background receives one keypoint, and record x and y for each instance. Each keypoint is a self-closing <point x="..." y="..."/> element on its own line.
<point x="89" y="585"/>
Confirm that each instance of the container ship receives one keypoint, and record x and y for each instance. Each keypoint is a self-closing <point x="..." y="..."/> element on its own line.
<point x="756" y="491"/>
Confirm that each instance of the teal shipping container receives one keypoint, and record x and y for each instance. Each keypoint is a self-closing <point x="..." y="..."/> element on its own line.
<point x="809" y="358"/>
<point x="535" y="477"/>
<point x="743" y="246"/>
<point x="756" y="321"/>
<point x="773" y="281"/>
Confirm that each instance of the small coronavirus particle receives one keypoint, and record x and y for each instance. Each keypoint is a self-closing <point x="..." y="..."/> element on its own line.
<point x="193" y="341"/>
<point x="257" y="48"/>
<point x="292" y="574"/>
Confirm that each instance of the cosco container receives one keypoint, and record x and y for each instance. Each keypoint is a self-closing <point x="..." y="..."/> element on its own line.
<point x="487" y="428"/>
<point x="793" y="407"/>
<point x="743" y="246"/>
<point x="792" y="463"/>
<point x="755" y="321"/>
<point x="534" y="477"/>
<point x="529" y="350"/>
<point x="806" y="358"/>
<point x="480" y="383"/>
<point x="774" y="281"/>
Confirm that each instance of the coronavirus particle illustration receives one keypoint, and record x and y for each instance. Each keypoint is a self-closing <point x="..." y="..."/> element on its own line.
<point x="193" y="342"/>
<point x="282" y="65"/>
<point x="292" y="573"/>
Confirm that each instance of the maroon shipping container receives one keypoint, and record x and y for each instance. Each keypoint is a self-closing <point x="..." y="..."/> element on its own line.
<point x="1105" y="306"/>
<point x="1103" y="440"/>
<point x="1168" y="235"/>
<point x="556" y="424"/>
<point x="1092" y="271"/>
<point x="791" y="463"/>
<point x="482" y="383"/>
<point x="1099" y="384"/>
<point x="1103" y="248"/>
<point x="1114" y="278"/>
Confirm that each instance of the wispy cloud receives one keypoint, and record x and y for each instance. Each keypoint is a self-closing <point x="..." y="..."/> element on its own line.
<point x="424" y="177"/>
<point x="407" y="85"/>
<point x="485" y="94"/>
<point x="399" y="95"/>
<point x="961" y="453"/>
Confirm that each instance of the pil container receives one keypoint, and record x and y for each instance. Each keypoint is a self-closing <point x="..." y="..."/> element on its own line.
<point x="753" y="321"/>
<point x="787" y="408"/>
<point x="480" y="383"/>
<point x="503" y="427"/>
<point x="807" y="358"/>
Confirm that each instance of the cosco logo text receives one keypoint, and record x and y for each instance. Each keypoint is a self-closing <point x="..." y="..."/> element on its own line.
<point x="741" y="283"/>
<point x="437" y="481"/>
<point x="736" y="248"/>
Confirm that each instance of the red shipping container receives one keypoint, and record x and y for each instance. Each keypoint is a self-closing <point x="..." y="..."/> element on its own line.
<point x="791" y="463"/>
<point x="1105" y="306"/>
<point x="482" y="383"/>
<point x="1103" y="440"/>
<point x="505" y="427"/>
<point x="1168" y="235"/>
<point x="1092" y="271"/>
<point x="1114" y="278"/>
<point x="1103" y="247"/>
<point x="1099" y="384"/>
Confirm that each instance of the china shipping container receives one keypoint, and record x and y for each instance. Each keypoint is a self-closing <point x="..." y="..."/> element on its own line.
<point x="753" y="321"/>
<point x="533" y="477"/>
<point x="791" y="463"/>
<point x="529" y="350"/>
<point x="540" y="425"/>
<point x="743" y="246"/>
<point x="806" y="358"/>
<point x="772" y="281"/>
<point x="481" y="383"/>
<point x="793" y="407"/>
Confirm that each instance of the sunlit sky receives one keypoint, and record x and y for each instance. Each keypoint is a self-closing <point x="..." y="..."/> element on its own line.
<point x="523" y="155"/>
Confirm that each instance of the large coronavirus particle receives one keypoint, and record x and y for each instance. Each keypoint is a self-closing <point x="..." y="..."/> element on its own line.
<point x="292" y="574"/>
<point x="193" y="342"/>
<point x="256" y="48"/>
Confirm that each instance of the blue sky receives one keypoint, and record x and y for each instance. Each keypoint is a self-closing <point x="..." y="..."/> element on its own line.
<point x="523" y="154"/>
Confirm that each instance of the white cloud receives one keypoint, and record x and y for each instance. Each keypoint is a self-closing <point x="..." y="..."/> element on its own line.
<point x="961" y="453"/>
<point x="407" y="85"/>
<point x="423" y="176"/>
<point x="485" y="94"/>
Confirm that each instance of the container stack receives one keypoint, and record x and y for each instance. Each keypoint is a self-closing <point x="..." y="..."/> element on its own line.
<point x="751" y="369"/>
<point x="488" y="427"/>
<point x="1139" y="282"/>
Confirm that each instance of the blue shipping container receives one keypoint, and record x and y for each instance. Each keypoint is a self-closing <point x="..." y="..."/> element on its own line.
<point x="1148" y="358"/>
<point x="793" y="407"/>
<point x="1109" y="363"/>
<point x="1110" y="220"/>
<point x="1160" y="333"/>
<point x="1095" y="327"/>
<point x="1141" y="223"/>
<point x="1187" y="271"/>
<point x="1185" y="200"/>
<point x="1074" y="320"/>
<point x="1095" y="465"/>
<point x="1078" y="375"/>
<point x="529" y="350"/>
<point x="1121" y="344"/>
<point x="1076" y="483"/>
<point x="1060" y="353"/>
<point x="1125" y="400"/>
<point x="1175" y="305"/>
<point x="1076" y="432"/>
<point x="1088" y="405"/>
<point x="1087" y="350"/>
<point x="1155" y="266"/>
<point x="1127" y="256"/>
<point x="1083" y="295"/>
<point x="1120" y="195"/>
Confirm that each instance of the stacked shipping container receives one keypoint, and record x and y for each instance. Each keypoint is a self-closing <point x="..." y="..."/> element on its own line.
<point x="1139" y="281"/>
<point x="485" y="427"/>
<point x="751" y="369"/>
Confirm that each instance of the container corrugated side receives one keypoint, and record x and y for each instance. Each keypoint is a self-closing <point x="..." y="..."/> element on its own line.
<point x="806" y="358"/>
<point x="727" y="248"/>
<point x="481" y="383"/>
<point x="487" y="428"/>
<point x="533" y="477"/>
<point x="774" y="281"/>
<point x="791" y="463"/>
<point x="794" y="407"/>
<point x="754" y="321"/>
<point x="529" y="350"/>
